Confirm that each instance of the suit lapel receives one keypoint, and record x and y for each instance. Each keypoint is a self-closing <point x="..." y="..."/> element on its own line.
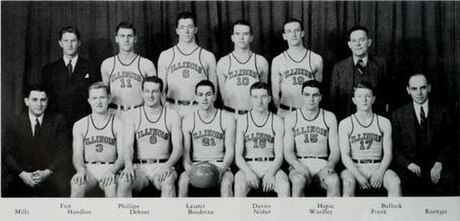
<point x="26" y="123"/>
<point x="349" y="74"/>
<point x="412" y="123"/>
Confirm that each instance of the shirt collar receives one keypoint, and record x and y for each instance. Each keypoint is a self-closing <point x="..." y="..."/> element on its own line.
<point x="32" y="119"/>
<point x="417" y="108"/>
<point x="356" y="59"/>
<point x="74" y="60"/>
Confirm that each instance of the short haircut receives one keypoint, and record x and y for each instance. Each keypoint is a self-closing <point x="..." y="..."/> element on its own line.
<point x="69" y="29"/>
<point x="242" y="22"/>
<point x="205" y="83"/>
<point x="125" y="25"/>
<point x="364" y="85"/>
<point x="153" y="79"/>
<point x="185" y="15"/>
<point x="99" y="85"/>
<point x="418" y="74"/>
<point x="260" y="85"/>
<point x="314" y="84"/>
<point x="34" y="87"/>
<point x="358" y="28"/>
<point x="292" y="20"/>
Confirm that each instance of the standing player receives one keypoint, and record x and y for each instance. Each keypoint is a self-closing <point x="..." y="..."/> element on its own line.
<point x="124" y="72"/>
<point x="366" y="147"/>
<point x="154" y="128"/>
<point x="182" y="66"/>
<point x="293" y="67"/>
<point x="311" y="144"/>
<point x="259" y="147"/>
<point x="240" y="69"/>
<point x="97" y="146"/>
<point x="209" y="135"/>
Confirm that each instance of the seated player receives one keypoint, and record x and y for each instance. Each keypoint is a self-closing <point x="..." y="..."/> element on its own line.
<point x="155" y="132"/>
<point x="259" y="147"/>
<point x="311" y="144"/>
<point x="209" y="135"/>
<point x="366" y="147"/>
<point x="97" y="146"/>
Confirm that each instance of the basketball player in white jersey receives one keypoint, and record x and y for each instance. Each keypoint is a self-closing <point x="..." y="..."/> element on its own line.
<point x="209" y="135"/>
<point x="97" y="146"/>
<point x="259" y="147"/>
<point x="311" y="144"/>
<point x="293" y="67"/>
<point x="125" y="71"/>
<point x="240" y="69"/>
<point x="366" y="147"/>
<point x="182" y="66"/>
<point x="157" y="135"/>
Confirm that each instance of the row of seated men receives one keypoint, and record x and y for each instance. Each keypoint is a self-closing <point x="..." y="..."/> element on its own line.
<point x="124" y="153"/>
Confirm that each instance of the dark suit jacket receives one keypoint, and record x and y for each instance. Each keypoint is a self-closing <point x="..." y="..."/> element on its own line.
<point x="50" y="150"/>
<point x="68" y="95"/>
<point x="439" y="146"/>
<point x="341" y="86"/>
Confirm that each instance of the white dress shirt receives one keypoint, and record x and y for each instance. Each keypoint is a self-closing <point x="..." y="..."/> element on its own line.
<point x="417" y="109"/>
<point x="32" y="120"/>
<point x="74" y="61"/>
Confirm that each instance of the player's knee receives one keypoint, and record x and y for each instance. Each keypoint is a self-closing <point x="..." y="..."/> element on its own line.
<point x="332" y="181"/>
<point x="184" y="180"/>
<point x="298" y="180"/>
<point x="347" y="179"/>
<point x="393" y="182"/>
<point x="227" y="179"/>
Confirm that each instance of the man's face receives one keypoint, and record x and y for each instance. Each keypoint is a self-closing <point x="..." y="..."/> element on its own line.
<point x="418" y="89"/>
<point x="98" y="100"/>
<point x="151" y="94"/>
<point x="293" y="34"/>
<point x="205" y="97"/>
<point x="69" y="44"/>
<point x="36" y="102"/>
<point x="260" y="99"/>
<point x="125" y="39"/>
<point x="241" y="36"/>
<point x="186" y="30"/>
<point x="312" y="97"/>
<point x="359" y="43"/>
<point x="363" y="99"/>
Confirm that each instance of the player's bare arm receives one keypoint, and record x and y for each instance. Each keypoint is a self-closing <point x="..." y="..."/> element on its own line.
<point x="229" y="145"/>
<point x="269" y="177"/>
<point x="221" y="69"/>
<point x="376" y="178"/>
<point x="344" y="145"/>
<point x="333" y="141"/>
<point x="262" y="67"/>
<point x="317" y="61"/>
<point x="209" y="61"/>
<point x="187" y="128"/>
<point x="147" y="67"/>
<point x="128" y="173"/>
<point x="276" y="79"/>
<point x="251" y="178"/>
<point x="78" y="130"/>
<point x="118" y="130"/>
<point x="163" y="63"/>
<point x="174" y="122"/>
<point x="106" y="68"/>
<point x="289" y="153"/>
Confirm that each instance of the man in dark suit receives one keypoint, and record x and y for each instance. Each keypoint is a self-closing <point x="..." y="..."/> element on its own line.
<point x="68" y="78"/>
<point x="360" y="67"/>
<point x="34" y="150"/>
<point x="422" y="143"/>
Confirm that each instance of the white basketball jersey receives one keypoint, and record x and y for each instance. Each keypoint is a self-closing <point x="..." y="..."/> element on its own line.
<point x="125" y="82"/>
<point x="184" y="72"/>
<point x="239" y="78"/>
<point x="259" y="139"/>
<point x="294" y="74"/>
<point x="366" y="141"/>
<point x="311" y="136"/>
<point x="153" y="137"/>
<point x="100" y="144"/>
<point x="207" y="138"/>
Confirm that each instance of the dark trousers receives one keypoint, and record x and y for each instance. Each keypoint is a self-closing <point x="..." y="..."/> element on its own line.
<point x="423" y="186"/>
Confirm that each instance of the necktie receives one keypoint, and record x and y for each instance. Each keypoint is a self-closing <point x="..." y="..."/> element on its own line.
<point x="37" y="127"/>
<point x="422" y="118"/>
<point x="360" y="66"/>
<point x="70" y="68"/>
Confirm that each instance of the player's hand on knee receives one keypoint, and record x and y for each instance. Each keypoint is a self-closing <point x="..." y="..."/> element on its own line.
<point x="163" y="173"/>
<point x="108" y="179"/>
<point x="128" y="174"/>
<point x="363" y="182"/>
<point x="436" y="172"/>
<point x="268" y="183"/>
<point x="252" y="180"/>
<point x="80" y="178"/>
<point x="415" y="169"/>
<point x="325" y="172"/>
<point x="376" y="179"/>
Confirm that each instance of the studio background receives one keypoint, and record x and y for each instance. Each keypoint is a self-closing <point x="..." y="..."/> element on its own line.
<point x="411" y="36"/>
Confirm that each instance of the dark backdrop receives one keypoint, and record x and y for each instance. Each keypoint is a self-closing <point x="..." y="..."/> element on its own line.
<point x="412" y="36"/>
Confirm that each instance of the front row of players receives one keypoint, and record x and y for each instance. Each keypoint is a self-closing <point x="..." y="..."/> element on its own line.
<point x="147" y="143"/>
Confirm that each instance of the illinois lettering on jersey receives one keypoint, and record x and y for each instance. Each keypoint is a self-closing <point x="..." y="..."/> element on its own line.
<point x="153" y="137"/>
<point x="207" y="138"/>
<point x="366" y="141"/>
<point x="184" y="72"/>
<point x="240" y="76"/>
<point x="259" y="139"/>
<point x="125" y="82"/>
<point x="311" y="136"/>
<point x="100" y="144"/>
